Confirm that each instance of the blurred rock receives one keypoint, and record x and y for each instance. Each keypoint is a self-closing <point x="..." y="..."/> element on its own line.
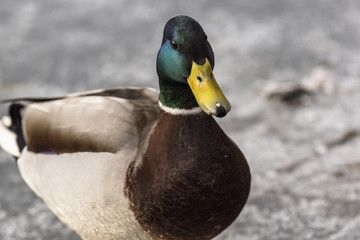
<point x="319" y="80"/>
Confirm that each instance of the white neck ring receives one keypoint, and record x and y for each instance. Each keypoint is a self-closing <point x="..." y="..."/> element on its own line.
<point x="178" y="111"/>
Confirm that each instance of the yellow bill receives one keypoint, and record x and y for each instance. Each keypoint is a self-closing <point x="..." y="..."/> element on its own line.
<point x="206" y="90"/>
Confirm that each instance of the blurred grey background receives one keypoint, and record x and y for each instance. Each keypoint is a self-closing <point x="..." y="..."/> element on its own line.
<point x="290" y="69"/>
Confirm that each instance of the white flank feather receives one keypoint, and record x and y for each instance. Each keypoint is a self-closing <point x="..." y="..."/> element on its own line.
<point x="8" y="138"/>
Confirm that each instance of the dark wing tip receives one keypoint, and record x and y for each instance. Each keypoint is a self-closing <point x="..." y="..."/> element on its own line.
<point x="16" y="126"/>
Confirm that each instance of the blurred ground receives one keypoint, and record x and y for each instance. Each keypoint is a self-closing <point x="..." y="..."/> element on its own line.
<point x="290" y="69"/>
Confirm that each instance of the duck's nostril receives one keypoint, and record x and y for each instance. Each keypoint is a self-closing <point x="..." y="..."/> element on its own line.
<point x="199" y="78"/>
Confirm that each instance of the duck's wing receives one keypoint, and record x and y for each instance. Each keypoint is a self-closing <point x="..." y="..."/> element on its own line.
<point x="96" y="121"/>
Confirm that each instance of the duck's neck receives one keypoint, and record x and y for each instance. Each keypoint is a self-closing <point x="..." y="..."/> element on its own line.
<point x="176" y="96"/>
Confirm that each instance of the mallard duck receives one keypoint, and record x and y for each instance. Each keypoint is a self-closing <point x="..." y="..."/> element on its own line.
<point x="136" y="163"/>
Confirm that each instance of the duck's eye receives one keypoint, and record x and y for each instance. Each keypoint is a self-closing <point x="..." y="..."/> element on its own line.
<point x="174" y="45"/>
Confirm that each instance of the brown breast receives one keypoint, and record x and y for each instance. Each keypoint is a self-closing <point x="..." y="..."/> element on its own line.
<point x="193" y="181"/>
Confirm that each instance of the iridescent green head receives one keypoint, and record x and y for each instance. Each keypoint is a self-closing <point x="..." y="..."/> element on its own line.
<point x="184" y="66"/>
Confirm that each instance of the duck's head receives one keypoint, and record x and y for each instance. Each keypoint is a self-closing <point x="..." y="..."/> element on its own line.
<point x="185" y="64"/>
